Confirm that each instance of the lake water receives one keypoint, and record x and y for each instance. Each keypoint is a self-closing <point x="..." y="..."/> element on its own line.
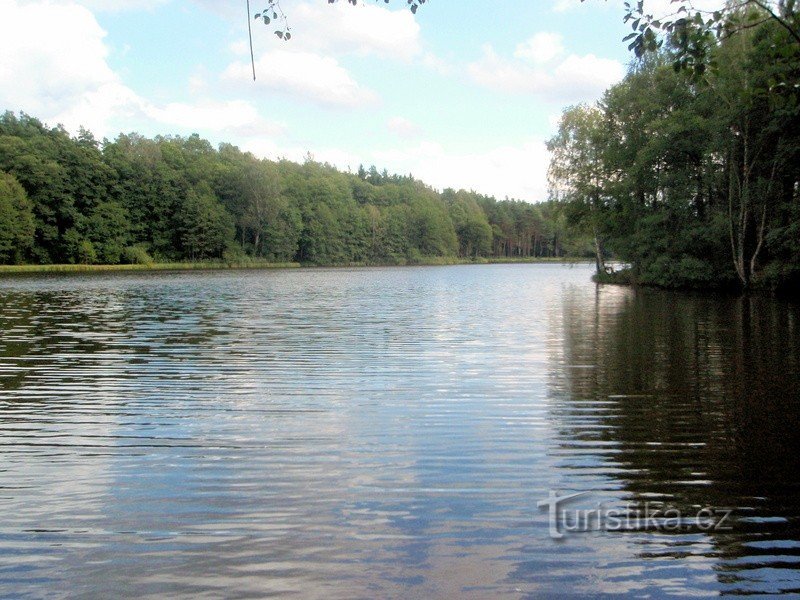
<point x="376" y="433"/>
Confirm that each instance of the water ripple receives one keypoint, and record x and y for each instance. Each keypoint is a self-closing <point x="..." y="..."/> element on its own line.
<point x="388" y="433"/>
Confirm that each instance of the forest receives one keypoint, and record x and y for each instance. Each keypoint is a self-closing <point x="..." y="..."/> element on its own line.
<point x="687" y="172"/>
<point x="73" y="200"/>
<point x="689" y="169"/>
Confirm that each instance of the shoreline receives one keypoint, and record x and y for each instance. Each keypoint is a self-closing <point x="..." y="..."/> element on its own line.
<point x="626" y="278"/>
<point x="256" y="265"/>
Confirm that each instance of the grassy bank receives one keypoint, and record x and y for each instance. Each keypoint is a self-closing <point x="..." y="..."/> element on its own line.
<point x="627" y="277"/>
<point x="217" y="265"/>
<point x="177" y="266"/>
<point x="442" y="261"/>
<point x="538" y="260"/>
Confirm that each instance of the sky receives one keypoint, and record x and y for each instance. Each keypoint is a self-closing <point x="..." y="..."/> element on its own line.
<point x="463" y="94"/>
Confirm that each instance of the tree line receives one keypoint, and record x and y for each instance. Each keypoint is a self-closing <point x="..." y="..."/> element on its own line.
<point x="72" y="199"/>
<point x="692" y="175"/>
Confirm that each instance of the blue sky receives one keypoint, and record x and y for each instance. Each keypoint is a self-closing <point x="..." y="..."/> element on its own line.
<point x="462" y="95"/>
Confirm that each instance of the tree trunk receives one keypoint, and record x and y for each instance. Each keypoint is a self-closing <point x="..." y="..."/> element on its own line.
<point x="600" y="261"/>
<point x="737" y="219"/>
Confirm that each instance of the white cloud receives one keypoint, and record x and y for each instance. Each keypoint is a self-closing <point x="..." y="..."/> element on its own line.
<point x="53" y="65"/>
<point x="95" y="108"/>
<point x="309" y="66"/>
<point x="231" y="10"/>
<point x="570" y="78"/>
<point x="235" y="117"/>
<point x="366" y="29"/>
<point x="121" y="5"/>
<point x="198" y="82"/>
<point x="436" y="64"/>
<point x="239" y="48"/>
<point x="319" y="79"/>
<point x="517" y="171"/>
<point x="403" y="127"/>
<point x="540" y="48"/>
<point x="586" y="77"/>
<point x="265" y="148"/>
<point x="565" y="5"/>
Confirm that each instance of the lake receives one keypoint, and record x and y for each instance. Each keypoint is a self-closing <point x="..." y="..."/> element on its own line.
<point x="375" y="433"/>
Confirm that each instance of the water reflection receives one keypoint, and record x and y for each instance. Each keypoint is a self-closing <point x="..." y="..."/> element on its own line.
<point x="697" y="399"/>
<point x="387" y="432"/>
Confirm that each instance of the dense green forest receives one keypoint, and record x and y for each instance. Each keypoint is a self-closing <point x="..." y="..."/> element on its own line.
<point x="67" y="199"/>
<point x="689" y="169"/>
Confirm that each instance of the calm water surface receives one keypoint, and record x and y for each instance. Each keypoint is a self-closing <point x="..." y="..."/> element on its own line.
<point x="388" y="433"/>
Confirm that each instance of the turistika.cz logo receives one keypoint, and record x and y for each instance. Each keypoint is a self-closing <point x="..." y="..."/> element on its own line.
<point x="564" y="518"/>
